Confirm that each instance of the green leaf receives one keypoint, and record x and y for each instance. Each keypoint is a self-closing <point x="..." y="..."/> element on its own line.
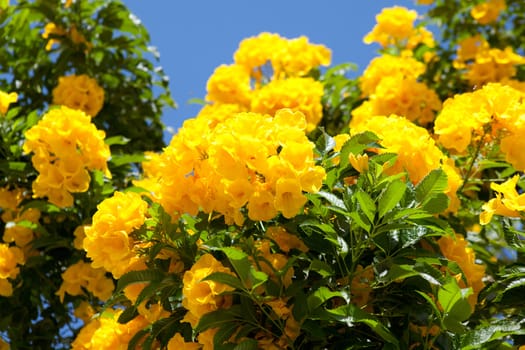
<point x="14" y="167"/>
<point x="367" y="205"/>
<point x="128" y="314"/>
<point x="436" y="204"/>
<point x="247" y="344"/>
<point x="356" y="145"/>
<point x="240" y="263"/>
<point x="319" y="297"/>
<point x="332" y="199"/>
<point x="485" y="333"/>
<point x="350" y="314"/>
<point x="118" y="159"/>
<point x="456" y="307"/>
<point x="434" y="183"/>
<point x="391" y="196"/>
<point x="116" y="140"/>
<point x="219" y="318"/>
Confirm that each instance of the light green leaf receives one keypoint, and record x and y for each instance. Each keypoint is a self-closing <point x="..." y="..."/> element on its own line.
<point x="435" y="182"/>
<point x="367" y="204"/>
<point x="391" y="196"/>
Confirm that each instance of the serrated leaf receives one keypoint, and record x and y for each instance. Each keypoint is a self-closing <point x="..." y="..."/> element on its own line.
<point x="436" y="204"/>
<point x="391" y="196"/>
<point x="434" y="183"/>
<point x="356" y="145"/>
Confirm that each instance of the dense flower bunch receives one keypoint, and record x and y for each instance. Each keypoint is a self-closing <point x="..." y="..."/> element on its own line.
<point x="65" y="146"/>
<point x="482" y="63"/>
<point x="108" y="242"/>
<point x="81" y="276"/>
<point x="488" y="116"/>
<point x="250" y="162"/>
<point x="105" y="332"/>
<point x="391" y="83"/>
<point x="269" y="73"/>
<point x="300" y="208"/>
<point x="395" y="27"/>
<point x="79" y="92"/>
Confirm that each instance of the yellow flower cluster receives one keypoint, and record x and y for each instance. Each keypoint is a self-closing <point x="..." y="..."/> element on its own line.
<point x="249" y="161"/>
<point x="10" y="259"/>
<point x="79" y="92"/>
<point x="395" y="27"/>
<point x="247" y="83"/>
<point x="6" y="99"/>
<point x="493" y="113"/>
<point x="391" y="85"/>
<point x="508" y="201"/>
<point x="302" y="94"/>
<point x="488" y="11"/>
<point x="106" y="333"/>
<point x="483" y="64"/>
<point x="82" y="275"/>
<point x="65" y="146"/>
<point x="202" y="297"/>
<point x="287" y="57"/>
<point x="405" y="66"/>
<point x="108" y="242"/>
<point x="456" y="249"/>
<point x="416" y="150"/>
<point x="12" y="215"/>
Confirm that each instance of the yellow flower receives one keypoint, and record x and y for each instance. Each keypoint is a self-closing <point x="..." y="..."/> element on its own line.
<point x="108" y="242"/>
<point x="388" y="65"/>
<point x="229" y="84"/>
<point x="201" y="297"/>
<point x="456" y="249"/>
<point x="361" y="285"/>
<point x="6" y="99"/>
<point x="360" y="163"/>
<point x="79" y="92"/>
<point x="82" y="275"/>
<point x="298" y="94"/>
<point x="51" y="32"/>
<point x="177" y="342"/>
<point x="288" y="197"/>
<point x="394" y="25"/>
<point x="488" y="11"/>
<point x="10" y="259"/>
<point x="285" y="240"/>
<point x="65" y="146"/>
<point x="106" y="333"/>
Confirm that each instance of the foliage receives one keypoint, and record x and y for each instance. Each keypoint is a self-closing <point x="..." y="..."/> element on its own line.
<point x="300" y="209"/>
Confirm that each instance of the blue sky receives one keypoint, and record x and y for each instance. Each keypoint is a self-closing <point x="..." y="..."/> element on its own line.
<point x="194" y="37"/>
